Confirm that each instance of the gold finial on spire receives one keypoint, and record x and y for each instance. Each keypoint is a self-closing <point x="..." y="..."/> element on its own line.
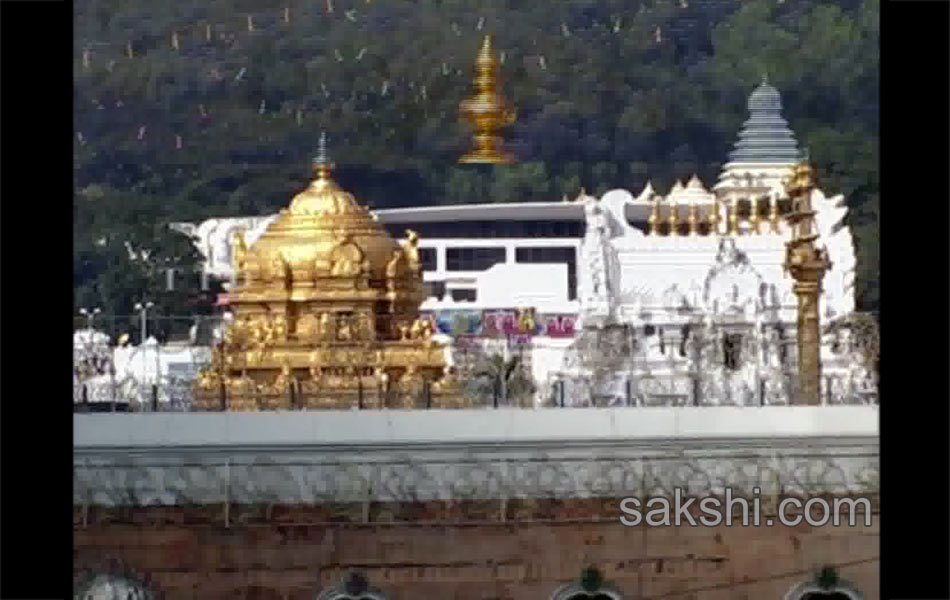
<point x="654" y="219"/>
<point x="321" y="162"/>
<point x="487" y="111"/>
<point x="693" y="218"/>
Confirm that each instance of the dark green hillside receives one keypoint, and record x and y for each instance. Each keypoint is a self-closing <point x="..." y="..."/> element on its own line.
<point x="609" y="93"/>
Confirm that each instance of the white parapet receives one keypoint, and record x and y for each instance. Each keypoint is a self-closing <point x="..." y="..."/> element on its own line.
<point x="364" y="456"/>
<point x="471" y="426"/>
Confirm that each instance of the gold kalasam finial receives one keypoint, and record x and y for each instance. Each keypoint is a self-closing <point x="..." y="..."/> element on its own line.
<point x="321" y="162"/>
<point x="487" y="111"/>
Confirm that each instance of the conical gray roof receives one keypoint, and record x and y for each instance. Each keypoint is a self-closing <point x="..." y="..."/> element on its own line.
<point x="765" y="136"/>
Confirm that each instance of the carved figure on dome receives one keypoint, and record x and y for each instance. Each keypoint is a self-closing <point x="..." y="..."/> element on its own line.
<point x="346" y="259"/>
<point x="410" y="248"/>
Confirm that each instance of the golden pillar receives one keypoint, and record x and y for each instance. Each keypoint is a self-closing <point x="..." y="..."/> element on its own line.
<point x="693" y="219"/>
<point x="674" y="217"/>
<point x="807" y="264"/>
<point x="487" y="111"/>
<point x="654" y="219"/>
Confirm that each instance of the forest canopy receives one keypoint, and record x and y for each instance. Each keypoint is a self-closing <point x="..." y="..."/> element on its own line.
<point x="190" y="110"/>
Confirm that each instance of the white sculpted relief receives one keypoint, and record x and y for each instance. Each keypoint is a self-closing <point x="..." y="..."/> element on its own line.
<point x="732" y="285"/>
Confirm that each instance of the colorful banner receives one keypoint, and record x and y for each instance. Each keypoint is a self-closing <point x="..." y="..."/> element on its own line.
<point x="459" y="322"/>
<point x="519" y="324"/>
<point x="559" y="325"/>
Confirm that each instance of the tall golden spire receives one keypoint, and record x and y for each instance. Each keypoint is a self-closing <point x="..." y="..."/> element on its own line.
<point x="487" y="111"/>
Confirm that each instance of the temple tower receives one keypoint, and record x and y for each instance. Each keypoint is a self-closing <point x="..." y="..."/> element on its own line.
<point x="326" y="314"/>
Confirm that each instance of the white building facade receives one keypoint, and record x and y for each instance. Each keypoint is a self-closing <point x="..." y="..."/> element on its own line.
<point x="695" y="276"/>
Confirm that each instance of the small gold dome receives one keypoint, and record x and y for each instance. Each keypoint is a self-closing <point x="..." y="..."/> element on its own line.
<point x="322" y="221"/>
<point x="324" y="233"/>
<point x="323" y="196"/>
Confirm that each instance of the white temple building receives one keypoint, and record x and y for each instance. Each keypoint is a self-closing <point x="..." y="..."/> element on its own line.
<point x="694" y="277"/>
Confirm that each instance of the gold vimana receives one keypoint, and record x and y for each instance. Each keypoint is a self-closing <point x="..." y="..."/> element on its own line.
<point x="326" y="315"/>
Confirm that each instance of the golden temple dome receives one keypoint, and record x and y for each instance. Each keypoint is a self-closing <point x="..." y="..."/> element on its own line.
<point x="325" y="231"/>
<point x="326" y="310"/>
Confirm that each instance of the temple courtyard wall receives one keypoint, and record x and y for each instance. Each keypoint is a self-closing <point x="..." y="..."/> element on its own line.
<point x="502" y="504"/>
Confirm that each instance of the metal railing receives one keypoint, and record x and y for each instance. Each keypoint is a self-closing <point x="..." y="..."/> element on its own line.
<point x="99" y="388"/>
<point x="179" y="395"/>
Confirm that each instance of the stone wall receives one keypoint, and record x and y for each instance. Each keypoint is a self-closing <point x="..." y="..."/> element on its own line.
<point x="466" y="504"/>
<point x="478" y="551"/>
